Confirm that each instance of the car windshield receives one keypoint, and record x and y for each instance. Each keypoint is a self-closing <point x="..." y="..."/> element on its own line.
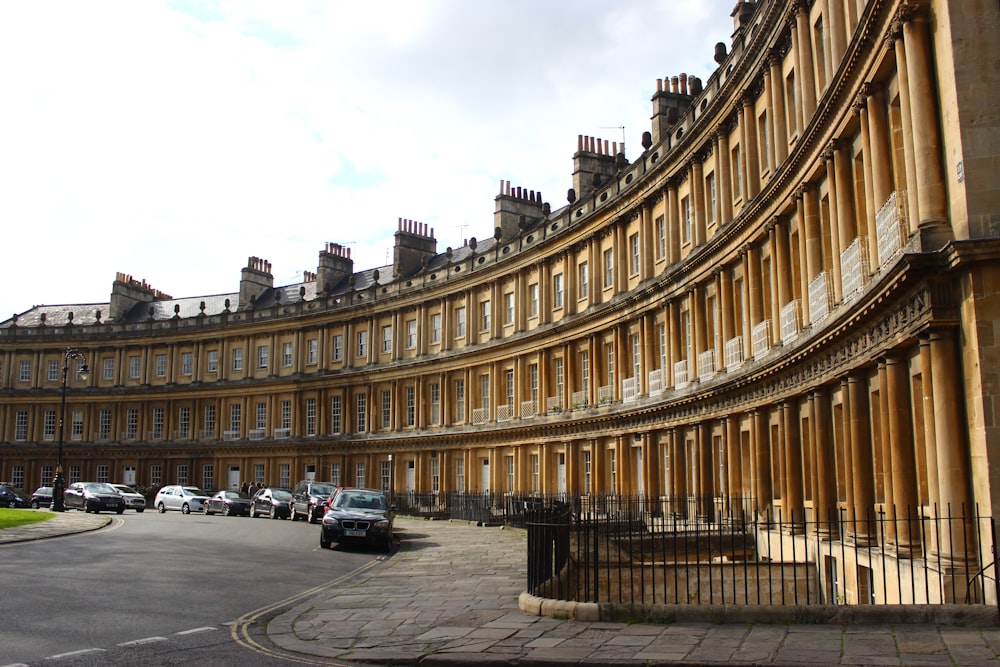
<point x="97" y="487"/>
<point x="281" y="495"/>
<point x="124" y="489"/>
<point x="193" y="491"/>
<point x="361" y="501"/>
<point x="236" y="495"/>
<point x="321" y="490"/>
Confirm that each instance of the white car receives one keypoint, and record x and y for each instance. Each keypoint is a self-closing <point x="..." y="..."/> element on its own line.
<point x="133" y="499"/>
<point x="187" y="499"/>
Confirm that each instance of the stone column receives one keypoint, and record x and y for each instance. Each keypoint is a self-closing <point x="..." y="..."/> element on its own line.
<point x="825" y="458"/>
<point x="761" y="445"/>
<point x="838" y="34"/>
<point x="782" y="266"/>
<point x="697" y="301"/>
<point x="678" y="469"/>
<point x="755" y="302"/>
<point x="862" y="511"/>
<point x="734" y="466"/>
<point x="698" y="200"/>
<point x="750" y="148"/>
<point x="866" y="216"/>
<point x="723" y="176"/>
<point x="749" y="299"/>
<point x="846" y="230"/>
<point x="803" y="258"/>
<point x="932" y="210"/>
<point x="673" y="225"/>
<point x="792" y="495"/>
<point x="834" y="278"/>
<point x="811" y="236"/>
<point x="706" y="496"/>
<point x="895" y="42"/>
<point x="779" y="138"/>
<point x="905" y="509"/>
<point x="726" y="308"/>
<point x="674" y="338"/>
<point x="927" y="387"/>
<point x="951" y="434"/>
<point x="805" y="63"/>
<point x="769" y="159"/>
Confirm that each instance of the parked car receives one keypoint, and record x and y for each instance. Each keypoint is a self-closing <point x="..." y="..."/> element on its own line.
<point x="187" y="499"/>
<point x="229" y="503"/>
<point x="93" y="497"/>
<point x="133" y="499"/>
<point x="11" y="496"/>
<point x="42" y="497"/>
<point x="358" y="515"/>
<point x="309" y="500"/>
<point x="272" y="501"/>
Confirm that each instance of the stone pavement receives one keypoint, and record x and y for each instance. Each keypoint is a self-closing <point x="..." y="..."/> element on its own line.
<point x="449" y="596"/>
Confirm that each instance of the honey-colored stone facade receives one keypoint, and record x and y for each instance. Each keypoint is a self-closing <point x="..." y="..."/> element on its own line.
<point x="791" y="297"/>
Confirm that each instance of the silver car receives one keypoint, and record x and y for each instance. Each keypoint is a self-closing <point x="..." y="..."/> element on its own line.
<point x="187" y="499"/>
<point x="133" y="499"/>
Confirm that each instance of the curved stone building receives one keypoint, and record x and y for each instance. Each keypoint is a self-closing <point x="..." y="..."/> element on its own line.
<point x="789" y="298"/>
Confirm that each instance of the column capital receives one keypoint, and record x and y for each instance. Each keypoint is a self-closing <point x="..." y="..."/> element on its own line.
<point x="830" y="149"/>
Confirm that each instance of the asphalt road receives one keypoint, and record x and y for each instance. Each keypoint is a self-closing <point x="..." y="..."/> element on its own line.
<point x="158" y="589"/>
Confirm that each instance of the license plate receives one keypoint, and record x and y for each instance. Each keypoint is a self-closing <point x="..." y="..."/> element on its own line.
<point x="354" y="533"/>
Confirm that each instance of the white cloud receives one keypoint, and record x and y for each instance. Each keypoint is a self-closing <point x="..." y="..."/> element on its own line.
<point x="172" y="140"/>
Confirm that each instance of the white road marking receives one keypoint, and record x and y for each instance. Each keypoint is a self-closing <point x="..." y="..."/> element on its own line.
<point x="147" y="640"/>
<point x="83" y="651"/>
<point x="194" y="630"/>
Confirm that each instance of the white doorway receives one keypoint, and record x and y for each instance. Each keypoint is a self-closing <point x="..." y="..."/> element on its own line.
<point x="561" y="474"/>
<point x="411" y="476"/>
<point x="310" y="473"/>
<point x="128" y="476"/>
<point x="234" y="477"/>
<point x="640" y="485"/>
<point x="485" y="481"/>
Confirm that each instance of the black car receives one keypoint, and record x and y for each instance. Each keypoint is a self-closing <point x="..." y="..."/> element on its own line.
<point x="358" y="515"/>
<point x="229" y="503"/>
<point x="42" y="497"/>
<point x="309" y="500"/>
<point x="93" y="497"/>
<point x="11" y="496"/>
<point x="272" y="501"/>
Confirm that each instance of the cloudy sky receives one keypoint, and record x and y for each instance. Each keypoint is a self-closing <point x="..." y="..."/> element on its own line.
<point x="173" y="140"/>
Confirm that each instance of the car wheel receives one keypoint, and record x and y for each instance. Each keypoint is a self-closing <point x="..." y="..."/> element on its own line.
<point x="323" y="542"/>
<point x="34" y="504"/>
<point x="140" y="509"/>
<point x="185" y="509"/>
<point x="160" y="508"/>
<point x="120" y="510"/>
<point x="225" y="510"/>
<point x="253" y="512"/>
<point x="272" y="513"/>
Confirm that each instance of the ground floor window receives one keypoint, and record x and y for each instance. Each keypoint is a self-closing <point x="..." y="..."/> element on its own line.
<point x="208" y="477"/>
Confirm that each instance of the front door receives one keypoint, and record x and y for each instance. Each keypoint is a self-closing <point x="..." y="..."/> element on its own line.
<point x="561" y="474"/>
<point x="234" y="477"/>
<point x="411" y="476"/>
<point x="128" y="476"/>
<point x="486" y="476"/>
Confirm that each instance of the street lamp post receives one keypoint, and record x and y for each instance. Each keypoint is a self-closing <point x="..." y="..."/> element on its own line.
<point x="58" y="483"/>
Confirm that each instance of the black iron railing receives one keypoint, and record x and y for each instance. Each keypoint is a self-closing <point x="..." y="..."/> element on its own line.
<point x="637" y="550"/>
